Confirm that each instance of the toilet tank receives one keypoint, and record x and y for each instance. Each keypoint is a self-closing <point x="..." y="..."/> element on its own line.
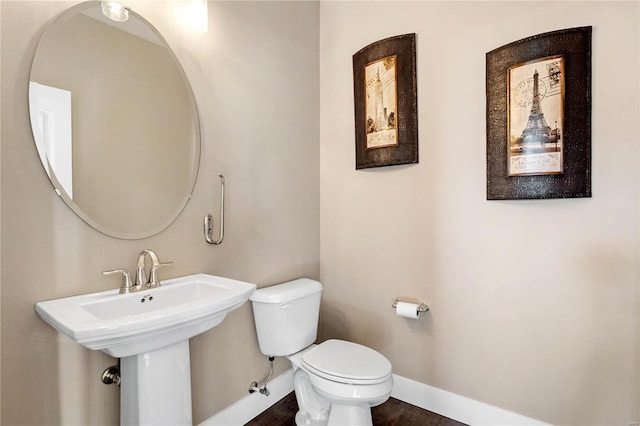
<point x="286" y="316"/>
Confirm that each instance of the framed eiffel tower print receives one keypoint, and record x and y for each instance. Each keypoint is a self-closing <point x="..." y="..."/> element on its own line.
<point x="535" y="147"/>
<point x="539" y="117"/>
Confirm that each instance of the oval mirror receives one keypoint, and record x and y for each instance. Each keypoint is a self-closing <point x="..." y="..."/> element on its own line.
<point x="114" y="121"/>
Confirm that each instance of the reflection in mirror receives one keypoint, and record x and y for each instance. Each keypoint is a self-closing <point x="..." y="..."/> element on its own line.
<point x="114" y="10"/>
<point x="114" y="121"/>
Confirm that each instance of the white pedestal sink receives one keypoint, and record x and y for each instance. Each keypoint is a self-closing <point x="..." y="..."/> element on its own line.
<point x="150" y="331"/>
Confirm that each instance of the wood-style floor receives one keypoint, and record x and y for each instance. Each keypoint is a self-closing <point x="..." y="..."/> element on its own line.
<point x="391" y="413"/>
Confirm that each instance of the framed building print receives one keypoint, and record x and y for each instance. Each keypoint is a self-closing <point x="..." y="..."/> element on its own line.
<point x="385" y="96"/>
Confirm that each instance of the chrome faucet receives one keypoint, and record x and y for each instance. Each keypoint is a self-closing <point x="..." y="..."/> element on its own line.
<point x="141" y="276"/>
<point x="141" y="282"/>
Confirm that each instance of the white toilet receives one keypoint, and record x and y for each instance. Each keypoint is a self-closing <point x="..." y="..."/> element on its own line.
<point x="336" y="382"/>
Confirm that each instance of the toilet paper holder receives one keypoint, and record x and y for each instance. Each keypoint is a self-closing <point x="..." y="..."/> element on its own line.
<point x="422" y="307"/>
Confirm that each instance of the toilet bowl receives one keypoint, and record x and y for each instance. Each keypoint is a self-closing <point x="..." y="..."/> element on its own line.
<point x="347" y="379"/>
<point x="336" y="382"/>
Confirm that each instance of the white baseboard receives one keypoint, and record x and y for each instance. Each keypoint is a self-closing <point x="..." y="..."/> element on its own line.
<point x="253" y="404"/>
<point x="454" y="406"/>
<point x="439" y="401"/>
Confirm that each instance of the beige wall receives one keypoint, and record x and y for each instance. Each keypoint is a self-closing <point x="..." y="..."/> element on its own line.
<point x="534" y="304"/>
<point x="255" y="78"/>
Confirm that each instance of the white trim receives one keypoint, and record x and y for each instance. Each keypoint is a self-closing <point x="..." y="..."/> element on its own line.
<point x="436" y="400"/>
<point x="456" y="406"/>
<point x="253" y="404"/>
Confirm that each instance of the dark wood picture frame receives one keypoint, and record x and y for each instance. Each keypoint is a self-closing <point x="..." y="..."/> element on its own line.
<point x="386" y="128"/>
<point x="572" y="48"/>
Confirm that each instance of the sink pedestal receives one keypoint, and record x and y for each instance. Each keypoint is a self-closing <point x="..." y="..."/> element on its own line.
<point x="155" y="387"/>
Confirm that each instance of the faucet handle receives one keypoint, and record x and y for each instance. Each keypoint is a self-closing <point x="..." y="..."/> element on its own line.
<point x="153" y="278"/>
<point x="126" y="279"/>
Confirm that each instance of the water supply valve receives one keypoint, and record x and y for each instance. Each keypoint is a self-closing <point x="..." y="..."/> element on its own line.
<point x="253" y="387"/>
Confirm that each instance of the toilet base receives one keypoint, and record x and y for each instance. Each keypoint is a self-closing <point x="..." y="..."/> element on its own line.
<point x="352" y="415"/>
<point x="314" y="410"/>
<point x="339" y="415"/>
<point x="304" y="419"/>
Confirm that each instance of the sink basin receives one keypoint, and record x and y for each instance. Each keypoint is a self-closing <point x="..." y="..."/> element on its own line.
<point x="123" y="325"/>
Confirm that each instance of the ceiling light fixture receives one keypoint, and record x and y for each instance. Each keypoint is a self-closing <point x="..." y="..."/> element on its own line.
<point x="115" y="11"/>
<point x="197" y="16"/>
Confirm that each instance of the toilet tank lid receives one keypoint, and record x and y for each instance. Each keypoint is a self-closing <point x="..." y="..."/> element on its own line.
<point x="286" y="292"/>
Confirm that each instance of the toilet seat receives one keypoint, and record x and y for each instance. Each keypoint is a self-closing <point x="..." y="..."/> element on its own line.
<point x="347" y="362"/>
